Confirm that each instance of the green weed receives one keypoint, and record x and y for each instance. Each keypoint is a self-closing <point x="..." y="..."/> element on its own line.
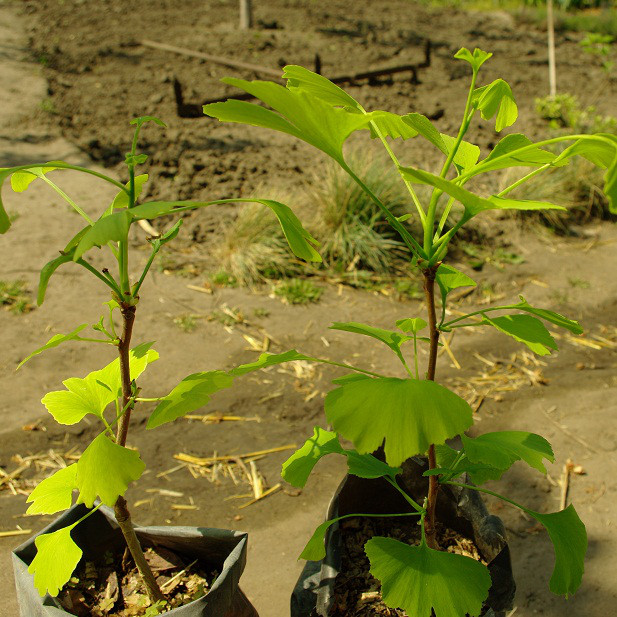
<point x="186" y="323"/>
<point x="14" y="296"/>
<point x="298" y="291"/>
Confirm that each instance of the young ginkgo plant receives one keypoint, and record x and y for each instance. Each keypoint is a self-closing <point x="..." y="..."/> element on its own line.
<point x="415" y="415"/>
<point x="107" y="466"/>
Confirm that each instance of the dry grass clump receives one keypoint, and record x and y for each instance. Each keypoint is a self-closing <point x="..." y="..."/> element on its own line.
<point x="253" y="247"/>
<point x="350" y="227"/>
<point x="578" y="187"/>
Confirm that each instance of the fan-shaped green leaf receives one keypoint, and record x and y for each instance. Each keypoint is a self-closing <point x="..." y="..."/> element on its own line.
<point x="54" y="341"/>
<point x="139" y="121"/>
<point x="121" y="200"/>
<point x="414" y="324"/>
<point x="473" y="203"/>
<point x="550" y="316"/>
<point x="56" y="558"/>
<point x="409" y="414"/>
<point x="534" y="157"/>
<point x="269" y="359"/>
<point x="525" y="329"/>
<point x="105" y="470"/>
<point x="502" y="448"/>
<point x="449" y="278"/>
<point x="299" y="78"/>
<point x="391" y="125"/>
<point x="421" y="580"/>
<point x="47" y="272"/>
<point x="92" y="394"/>
<point x="298" y="467"/>
<point x="110" y="228"/>
<point x="392" y="339"/>
<point x="502" y="203"/>
<point x="496" y="100"/>
<point x="54" y="493"/>
<point x="315" y="549"/>
<point x="300" y="241"/>
<point x="466" y="156"/>
<point x="21" y="180"/>
<point x="477" y="59"/>
<point x="569" y="538"/>
<point x="425" y="127"/>
<point x="301" y="114"/>
<point x="189" y="395"/>
<point x="368" y="466"/>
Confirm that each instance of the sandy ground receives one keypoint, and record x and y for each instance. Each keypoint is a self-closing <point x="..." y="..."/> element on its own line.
<point x="575" y="408"/>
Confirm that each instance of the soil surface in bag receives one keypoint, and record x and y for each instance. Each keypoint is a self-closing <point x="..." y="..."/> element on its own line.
<point x="357" y="593"/>
<point x="111" y="585"/>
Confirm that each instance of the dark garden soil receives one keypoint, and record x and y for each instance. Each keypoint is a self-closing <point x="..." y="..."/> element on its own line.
<point x="73" y="74"/>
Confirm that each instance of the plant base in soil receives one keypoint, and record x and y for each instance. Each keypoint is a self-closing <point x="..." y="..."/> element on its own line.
<point x="357" y="593"/>
<point x="112" y="585"/>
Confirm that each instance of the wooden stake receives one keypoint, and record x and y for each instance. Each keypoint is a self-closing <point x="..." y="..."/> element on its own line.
<point x="550" y="26"/>
<point x="246" y="15"/>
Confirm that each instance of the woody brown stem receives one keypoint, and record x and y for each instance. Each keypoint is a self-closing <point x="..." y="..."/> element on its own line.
<point x="433" y="482"/>
<point x="123" y="516"/>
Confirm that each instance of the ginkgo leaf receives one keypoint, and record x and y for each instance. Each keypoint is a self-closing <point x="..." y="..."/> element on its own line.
<point x="301" y="114"/>
<point x="105" y="470"/>
<point x="47" y="272"/>
<point x="408" y="414"/>
<point x="425" y="582"/>
<point x="56" y="558"/>
<point x="54" y="341"/>
<point x="269" y="359"/>
<point x="509" y="145"/>
<point x="368" y="466"/>
<point x="525" y="329"/>
<point x="449" y="278"/>
<point x="550" y="316"/>
<point x="109" y="228"/>
<point x="298" y="467"/>
<point x="466" y="156"/>
<point x="502" y="448"/>
<point x="390" y="125"/>
<point x="425" y="127"/>
<point x="476" y="59"/>
<point x="54" y="493"/>
<point x="121" y="200"/>
<point x="392" y="339"/>
<point x="299" y="78"/>
<point x="189" y="395"/>
<point x="413" y="324"/>
<point x="497" y="101"/>
<point x="315" y="549"/>
<point x="93" y="393"/>
<point x="569" y="537"/>
<point x="299" y="239"/>
<point x="473" y="203"/>
<point x="601" y="150"/>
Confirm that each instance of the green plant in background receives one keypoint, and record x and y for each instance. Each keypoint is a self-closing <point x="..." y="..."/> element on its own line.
<point x="298" y="291"/>
<point x="414" y="414"/>
<point x="14" y="296"/>
<point x="111" y="395"/>
<point x="599" y="45"/>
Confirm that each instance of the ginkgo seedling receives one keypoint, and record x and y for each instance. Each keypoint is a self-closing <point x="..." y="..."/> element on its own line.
<point x="413" y="415"/>
<point x="110" y="395"/>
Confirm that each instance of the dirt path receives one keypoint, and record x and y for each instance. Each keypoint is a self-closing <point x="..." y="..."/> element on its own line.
<point x="575" y="410"/>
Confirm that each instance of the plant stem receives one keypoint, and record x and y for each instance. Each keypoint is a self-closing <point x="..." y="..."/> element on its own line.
<point x="123" y="516"/>
<point x="433" y="481"/>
